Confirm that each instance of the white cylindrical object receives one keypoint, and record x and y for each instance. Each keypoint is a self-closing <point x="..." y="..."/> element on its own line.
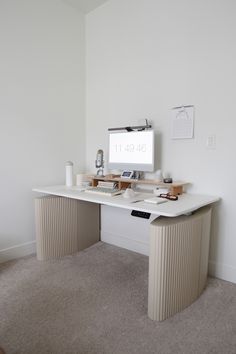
<point x="79" y="179"/>
<point x="69" y="174"/>
<point x="82" y="177"/>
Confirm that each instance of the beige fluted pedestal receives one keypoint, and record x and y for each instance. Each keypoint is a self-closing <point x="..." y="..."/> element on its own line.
<point x="179" y="247"/>
<point x="64" y="226"/>
<point x="178" y="262"/>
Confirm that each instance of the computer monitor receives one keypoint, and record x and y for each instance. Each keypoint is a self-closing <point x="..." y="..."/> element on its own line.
<point x="131" y="151"/>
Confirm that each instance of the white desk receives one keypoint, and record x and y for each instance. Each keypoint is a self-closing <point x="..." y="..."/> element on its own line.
<point x="187" y="203"/>
<point x="67" y="220"/>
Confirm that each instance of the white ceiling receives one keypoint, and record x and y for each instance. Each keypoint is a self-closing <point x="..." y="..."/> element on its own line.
<point x="85" y="6"/>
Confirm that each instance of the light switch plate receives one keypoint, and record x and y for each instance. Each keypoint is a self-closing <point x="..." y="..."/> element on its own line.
<point x="211" y="142"/>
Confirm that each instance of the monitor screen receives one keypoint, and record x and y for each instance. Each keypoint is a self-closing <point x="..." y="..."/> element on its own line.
<point x="131" y="150"/>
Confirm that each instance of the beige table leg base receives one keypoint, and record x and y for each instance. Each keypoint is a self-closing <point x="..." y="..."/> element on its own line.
<point x="178" y="262"/>
<point x="64" y="226"/>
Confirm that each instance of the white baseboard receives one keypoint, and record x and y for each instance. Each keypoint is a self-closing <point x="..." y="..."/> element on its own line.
<point x="17" y="251"/>
<point x="216" y="270"/>
<point x="222" y="271"/>
<point x="121" y="241"/>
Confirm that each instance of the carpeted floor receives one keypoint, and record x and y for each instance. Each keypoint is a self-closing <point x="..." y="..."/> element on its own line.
<point x="96" y="302"/>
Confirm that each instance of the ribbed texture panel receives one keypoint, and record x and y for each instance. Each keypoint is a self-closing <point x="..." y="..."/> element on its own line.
<point x="56" y="227"/>
<point x="177" y="262"/>
<point x="64" y="226"/>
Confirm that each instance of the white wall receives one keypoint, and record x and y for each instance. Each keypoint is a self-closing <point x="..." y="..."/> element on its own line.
<point x="42" y="115"/>
<point x="146" y="56"/>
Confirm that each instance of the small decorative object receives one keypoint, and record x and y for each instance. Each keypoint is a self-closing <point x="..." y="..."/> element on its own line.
<point x="69" y="174"/>
<point x="167" y="177"/>
<point x="158" y="175"/>
<point x="167" y="180"/>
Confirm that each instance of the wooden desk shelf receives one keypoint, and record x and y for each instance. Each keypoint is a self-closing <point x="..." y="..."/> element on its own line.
<point x="175" y="188"/>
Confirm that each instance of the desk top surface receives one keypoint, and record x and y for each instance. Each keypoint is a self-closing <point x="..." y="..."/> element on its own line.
<point x="184" y="205"/>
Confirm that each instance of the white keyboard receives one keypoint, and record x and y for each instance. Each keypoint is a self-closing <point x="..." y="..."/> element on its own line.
<point x="109" y="192"/>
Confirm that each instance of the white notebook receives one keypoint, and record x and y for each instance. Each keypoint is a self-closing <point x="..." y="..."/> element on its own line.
<point x="155" y="200"/>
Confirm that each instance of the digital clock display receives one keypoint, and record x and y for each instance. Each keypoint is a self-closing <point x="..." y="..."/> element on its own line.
<point x="131" y="147"/>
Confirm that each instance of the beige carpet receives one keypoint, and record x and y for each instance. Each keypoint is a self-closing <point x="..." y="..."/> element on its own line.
<point x="96" y="302"/>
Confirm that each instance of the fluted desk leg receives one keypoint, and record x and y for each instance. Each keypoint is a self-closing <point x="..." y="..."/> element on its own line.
<point x="178" y="262"/>
<point x="64" y="226"/>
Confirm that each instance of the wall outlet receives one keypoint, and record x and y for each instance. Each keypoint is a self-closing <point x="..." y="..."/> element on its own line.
<point x="211" y="142"/>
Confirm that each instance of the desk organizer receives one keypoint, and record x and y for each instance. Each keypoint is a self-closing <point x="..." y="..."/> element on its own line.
<point x="175" y="188"/>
